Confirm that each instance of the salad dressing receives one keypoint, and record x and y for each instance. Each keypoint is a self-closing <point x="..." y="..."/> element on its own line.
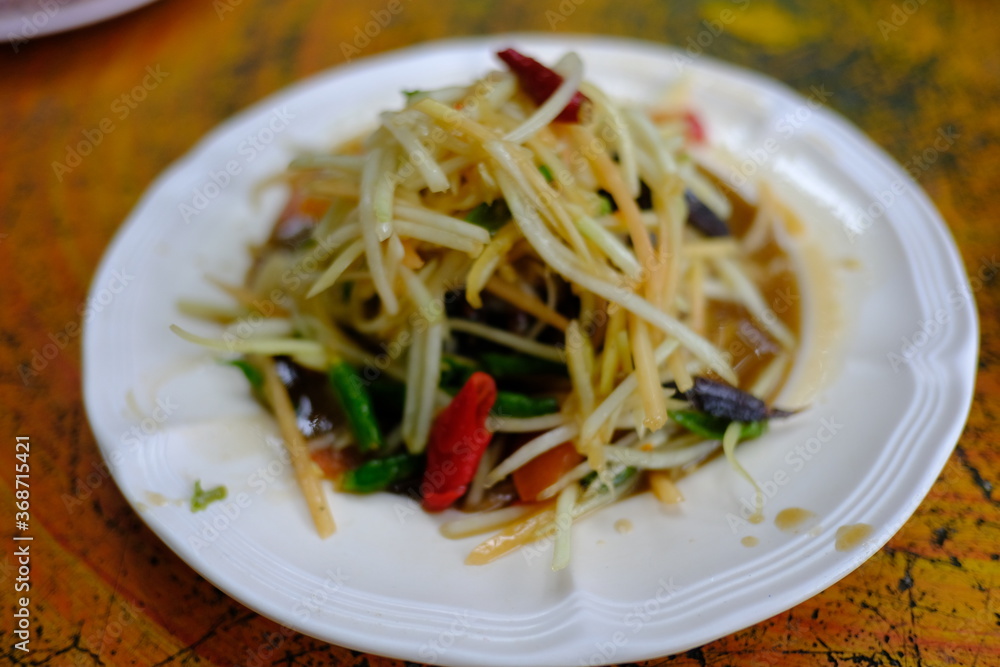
<point x="731" y="327"/>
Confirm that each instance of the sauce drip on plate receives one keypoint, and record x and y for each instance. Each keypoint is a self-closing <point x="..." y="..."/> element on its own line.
<point x="791" y="519"/>
<point x="849" y="537"/>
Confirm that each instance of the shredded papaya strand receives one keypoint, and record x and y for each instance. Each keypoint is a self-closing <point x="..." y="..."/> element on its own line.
<point x="372" y="225"/>
<point x="664" y="488"/>
<point x="677" y="363"/>
<point x="305" y="472"/>
<point x="624" y="352"/>
<point x="546" y="152"/>
<point x="528" y="530"/>
<point x="487" y="262"/>
<point x="510" y="159"/>
<point x="675" y="212"/>
<point x="588" y="312"/>
<point x="660" y="274"/>
<point x="609" y="356"/>
<point x="452" y="119"/>
<point x="612" y="181"/>
<point x="529" y="303"/>
<point x="579" y="360"/>
<point x="247" y="298"/>
<point x="557" y="213"/>
<point x="577" y="348"/>
<point x="729" y="441"/>
<point x="653" y="403"/>
<point x="697" y="296"/>
<point x="607" y="431"/>
<point x="411" y="258"/>
<point x="565" y="503"/>
<point x="711" y="248"/>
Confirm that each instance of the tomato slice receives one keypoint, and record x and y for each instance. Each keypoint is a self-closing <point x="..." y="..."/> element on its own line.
<point x="301" y="214"/>
<point x="333" y="462"/>
<point x="545" y="470"/>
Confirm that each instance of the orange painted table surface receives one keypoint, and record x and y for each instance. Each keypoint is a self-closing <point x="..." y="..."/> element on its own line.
<point x="144" y="87"/>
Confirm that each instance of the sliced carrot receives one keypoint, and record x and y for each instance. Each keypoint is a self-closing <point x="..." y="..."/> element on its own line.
<point x="545" y="470"/>
<point x="333" y="462"/>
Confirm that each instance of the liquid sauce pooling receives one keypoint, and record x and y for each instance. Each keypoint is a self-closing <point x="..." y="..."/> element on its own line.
<point x="623" y="526"/>
<point x="791" y="519"/>
<point x="849" y="537"/>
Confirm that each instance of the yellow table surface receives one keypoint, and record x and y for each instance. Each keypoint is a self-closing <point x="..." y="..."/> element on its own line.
<point x="106" y="591"/>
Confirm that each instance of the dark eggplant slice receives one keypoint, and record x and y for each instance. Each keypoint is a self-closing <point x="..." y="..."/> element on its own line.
<point x="316" y="409"/>
<point x="703" y="218"/>
<point x="721" y="399"/>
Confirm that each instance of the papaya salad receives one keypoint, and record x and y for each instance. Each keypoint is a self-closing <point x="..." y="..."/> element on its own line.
<point x="517" y="298"/>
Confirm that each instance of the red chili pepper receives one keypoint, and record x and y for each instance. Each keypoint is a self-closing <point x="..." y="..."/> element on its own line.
<point x="539" y="82"/>
<point x="695" y="128"/>
<point x="457" y="442"/>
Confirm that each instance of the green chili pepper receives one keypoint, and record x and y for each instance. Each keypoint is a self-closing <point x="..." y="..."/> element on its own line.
<point x="354" y="400"/>
<point x="510" y="404"/>
<point x="378" y="474"/>
<point x="202" y="498"/>
<point x="512" y="365"/>
<point x="455" y="370"/>
<point x="714" y="427"/>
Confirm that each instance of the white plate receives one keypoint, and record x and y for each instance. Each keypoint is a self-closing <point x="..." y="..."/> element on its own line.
<point x="386" y="582"/>
<point x="22" y="20"/>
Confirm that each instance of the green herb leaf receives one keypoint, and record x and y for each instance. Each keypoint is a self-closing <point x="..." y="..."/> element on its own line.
<point x="546" y="172"/>
<point x="202" y="498"/>
<point x="714" y="427"/>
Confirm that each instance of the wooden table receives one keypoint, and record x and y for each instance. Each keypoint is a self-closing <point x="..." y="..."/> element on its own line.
<point x="142" y="89"/>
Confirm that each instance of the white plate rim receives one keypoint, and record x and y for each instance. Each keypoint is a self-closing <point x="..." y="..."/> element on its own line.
<point x="69" y="16"/>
